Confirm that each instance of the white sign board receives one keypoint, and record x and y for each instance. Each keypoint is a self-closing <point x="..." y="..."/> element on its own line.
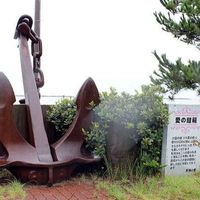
<point x="181" y="140"/>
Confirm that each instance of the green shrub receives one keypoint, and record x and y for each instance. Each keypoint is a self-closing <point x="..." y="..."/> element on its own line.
<point x="152" y="116"/>
<point x="62" y="114"/>
<point x="113" y="109"/>
<point x="95" y="137"/>
<point x="143" y="114"/>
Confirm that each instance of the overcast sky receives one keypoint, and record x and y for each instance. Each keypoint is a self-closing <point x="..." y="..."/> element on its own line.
<point x="109" y="40"/>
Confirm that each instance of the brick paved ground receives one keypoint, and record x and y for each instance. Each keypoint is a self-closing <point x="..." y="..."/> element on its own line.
<point x="72" y="190"/>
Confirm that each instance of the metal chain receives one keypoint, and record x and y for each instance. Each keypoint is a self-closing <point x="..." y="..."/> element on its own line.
<point x="24" y="27"/>
<point x="36" y="51"/>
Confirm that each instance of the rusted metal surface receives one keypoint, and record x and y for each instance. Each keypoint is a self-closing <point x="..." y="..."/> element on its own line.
<point x="19" y="113"/>
<point x="70" y="146"/>
<point x="24" y="27"/>
<point x="37" y="161"/>
<point x="13" y="145"/>
<point x="40" y="140"/>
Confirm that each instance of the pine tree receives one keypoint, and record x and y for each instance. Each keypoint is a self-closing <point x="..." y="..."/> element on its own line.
<point x="183" y="21"/>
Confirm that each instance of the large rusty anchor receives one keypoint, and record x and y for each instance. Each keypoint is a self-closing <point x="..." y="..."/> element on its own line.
<point x="37" y="161"/>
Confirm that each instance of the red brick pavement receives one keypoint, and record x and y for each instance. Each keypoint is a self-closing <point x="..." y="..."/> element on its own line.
<point x="70" y="190"/>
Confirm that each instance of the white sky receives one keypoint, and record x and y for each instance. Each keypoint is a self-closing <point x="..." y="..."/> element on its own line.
<point x="109" y="40"/>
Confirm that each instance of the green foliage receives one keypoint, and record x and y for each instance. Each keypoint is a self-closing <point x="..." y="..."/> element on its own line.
<point x="96" y="140"/>
<point x="168" y="188"/>
<point x="183" y="21"/>
<point x="13" y="190"/>
<point x="124" y="170"/>
<point x="177" y="76"/>
<point x="154" y="188"/>
<point x="62" y="114"/>
<point x="143" y="114"/>
<point x="114" y="190"/>
<point x="116" y="108"/>
<point x="152" y="116"/>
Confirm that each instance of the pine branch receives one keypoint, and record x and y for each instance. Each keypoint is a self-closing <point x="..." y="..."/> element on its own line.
<point x="176" y="76"/>
<point x="182" y="20"/>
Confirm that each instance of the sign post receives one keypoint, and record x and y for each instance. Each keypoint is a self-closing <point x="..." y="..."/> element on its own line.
<point x="37" y="17"/>
<point x="181" y="140"/>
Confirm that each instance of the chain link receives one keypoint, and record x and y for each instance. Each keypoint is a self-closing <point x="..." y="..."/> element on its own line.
<point x="24" y="27"/>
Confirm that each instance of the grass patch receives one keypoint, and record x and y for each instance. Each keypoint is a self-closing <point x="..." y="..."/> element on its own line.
<point x="123" y="170"/>
<point x="154" y="188"/>
<point x="114" y="190"/>
<point x="168" y="188"/>
<point x="12" y="190"/>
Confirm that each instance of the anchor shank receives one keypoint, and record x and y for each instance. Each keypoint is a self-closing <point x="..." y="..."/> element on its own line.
<point x="33" y="103"/>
